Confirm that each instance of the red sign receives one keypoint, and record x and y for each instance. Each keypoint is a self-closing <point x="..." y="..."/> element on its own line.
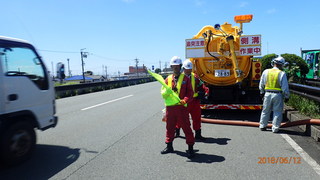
<point x="250" y="40"/>
<point x="250" y="51"/>
<point x="250" y="45"/>
<point x="194" y="43"/>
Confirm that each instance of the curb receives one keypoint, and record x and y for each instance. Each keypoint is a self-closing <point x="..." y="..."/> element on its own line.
<point x="294" y="115"/>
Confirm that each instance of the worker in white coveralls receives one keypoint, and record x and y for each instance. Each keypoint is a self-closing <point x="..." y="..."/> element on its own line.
<point x="274" y="89"/>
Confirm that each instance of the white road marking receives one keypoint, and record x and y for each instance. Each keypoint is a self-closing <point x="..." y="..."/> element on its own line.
<point x="302" y="153"/>
<point x="106" y="103"/>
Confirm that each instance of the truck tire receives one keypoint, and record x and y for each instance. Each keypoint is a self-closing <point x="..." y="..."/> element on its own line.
<point x="17" y="143"/>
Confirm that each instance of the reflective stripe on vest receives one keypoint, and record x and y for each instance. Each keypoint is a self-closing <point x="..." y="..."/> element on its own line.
<point x="179" y="83"/>
<point x="193" y="83"/>
<point x="272" y="82"/>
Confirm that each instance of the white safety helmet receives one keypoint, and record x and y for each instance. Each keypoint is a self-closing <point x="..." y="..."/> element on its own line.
<point x="175" y="60"/>
<point x="278" y="60"/>
<point x="187" y="64"/>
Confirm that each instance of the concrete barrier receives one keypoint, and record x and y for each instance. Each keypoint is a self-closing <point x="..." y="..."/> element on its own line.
<point x="293" y="115"/>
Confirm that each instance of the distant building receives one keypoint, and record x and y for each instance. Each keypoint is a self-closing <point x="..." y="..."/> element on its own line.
<point x="167" y="70"/>
<point x="97" y="78"/>
<point x="141" y="69"/>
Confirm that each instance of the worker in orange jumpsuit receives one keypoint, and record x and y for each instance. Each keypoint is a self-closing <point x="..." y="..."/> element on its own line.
<point x="178" y="113"/>
<point x="194" y="105"/>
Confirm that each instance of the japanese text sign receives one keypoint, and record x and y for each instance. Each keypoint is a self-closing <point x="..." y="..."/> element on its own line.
<point x="195" y="48"/>
<point x="250" y="45"/>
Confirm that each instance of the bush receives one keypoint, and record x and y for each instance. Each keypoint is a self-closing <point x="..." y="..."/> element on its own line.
<point x="305" y="106"/>
<point x="266" y="61"/>
<point x="296" y="65"/>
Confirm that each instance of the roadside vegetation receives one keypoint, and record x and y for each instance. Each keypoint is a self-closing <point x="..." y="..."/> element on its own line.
<point x="305" y="106"/>
<point x="296" y="70"/>
<point x="64" y="83"/>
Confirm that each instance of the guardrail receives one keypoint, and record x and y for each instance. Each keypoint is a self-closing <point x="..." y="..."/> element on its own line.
<point x="313" y="83"/>
<point x="309" y="92"/>
<point x="77" y="89"/>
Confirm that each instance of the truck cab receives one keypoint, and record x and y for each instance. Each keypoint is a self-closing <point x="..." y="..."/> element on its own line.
<point x="27" y="99"/>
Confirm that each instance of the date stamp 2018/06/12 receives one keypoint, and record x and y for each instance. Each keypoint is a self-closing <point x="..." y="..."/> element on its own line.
<point x="279" y="160"/>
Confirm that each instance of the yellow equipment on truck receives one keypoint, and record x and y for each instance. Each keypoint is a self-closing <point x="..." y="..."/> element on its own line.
<point x="223" y="58"/>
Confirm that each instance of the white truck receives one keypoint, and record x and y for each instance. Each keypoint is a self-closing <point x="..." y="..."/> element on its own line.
<point x="27" y="99"/>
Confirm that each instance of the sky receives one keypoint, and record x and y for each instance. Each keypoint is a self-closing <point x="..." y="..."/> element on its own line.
<point x="116" y="32"/>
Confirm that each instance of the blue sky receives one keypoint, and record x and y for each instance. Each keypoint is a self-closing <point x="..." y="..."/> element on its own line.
<point x="115" y="32"/>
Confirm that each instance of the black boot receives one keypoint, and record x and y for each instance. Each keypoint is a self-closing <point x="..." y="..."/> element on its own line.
<point x="190" y="152"/>
<point x="198" y="135"/>
<point x="168" y="149"/>
<point x="177" y="132"/>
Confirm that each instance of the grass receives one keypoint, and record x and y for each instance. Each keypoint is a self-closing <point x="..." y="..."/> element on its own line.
<point x="65" y="83"/>
<point x="305" y="106"/>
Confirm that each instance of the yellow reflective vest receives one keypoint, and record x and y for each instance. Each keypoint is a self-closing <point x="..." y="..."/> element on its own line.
<point x="179" y="83"/>
<point x="272" y="82"/>
<point x="171" y="98"/>
<point x="193" y="83"/>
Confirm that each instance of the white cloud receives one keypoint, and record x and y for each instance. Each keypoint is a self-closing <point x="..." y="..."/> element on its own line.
<point x="271" y="11"/>
<point x="243" y="4"/>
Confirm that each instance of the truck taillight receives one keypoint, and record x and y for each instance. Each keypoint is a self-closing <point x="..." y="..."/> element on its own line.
<point x="256" y="70"/>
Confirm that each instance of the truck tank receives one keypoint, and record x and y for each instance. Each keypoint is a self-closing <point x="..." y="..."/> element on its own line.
<point x="224" y="59"/>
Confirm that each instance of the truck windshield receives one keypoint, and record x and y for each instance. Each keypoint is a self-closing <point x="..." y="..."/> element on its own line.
<point x="23" y="61"/>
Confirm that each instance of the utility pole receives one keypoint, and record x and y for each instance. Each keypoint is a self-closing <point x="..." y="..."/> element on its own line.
<point x="165" y="65"/>
<point x="160" y="66"/>
<point x="52" y="69"/>
<point x="83" y="55"/>
<point x="137" y="61"/>
<point x="69" y="67"/>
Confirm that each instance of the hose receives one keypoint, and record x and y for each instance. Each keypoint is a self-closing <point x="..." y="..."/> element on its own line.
<point x="208" y="48"/>
<point x="256" y="124"/>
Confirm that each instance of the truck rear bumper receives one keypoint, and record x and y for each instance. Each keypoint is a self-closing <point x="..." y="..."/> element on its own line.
<point x="55" y="122"/>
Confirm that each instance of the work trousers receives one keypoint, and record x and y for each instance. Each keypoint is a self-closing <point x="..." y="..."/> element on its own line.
<point x="272" y="102"/>
<point x="178" y="115"/>
<point x="195" y="112"/>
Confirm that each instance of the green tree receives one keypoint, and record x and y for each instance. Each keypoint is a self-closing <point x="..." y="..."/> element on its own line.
<point x="266" y="61"/>
<point x="158" y="70"/>
<point x="89" y="73"/>
<point x="295" y="65"/>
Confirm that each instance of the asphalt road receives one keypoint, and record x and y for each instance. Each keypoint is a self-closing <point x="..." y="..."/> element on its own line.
<point x="118" y="134"/>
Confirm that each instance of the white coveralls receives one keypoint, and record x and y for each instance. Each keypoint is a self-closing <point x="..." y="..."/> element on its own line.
<point x="273" y="100"/>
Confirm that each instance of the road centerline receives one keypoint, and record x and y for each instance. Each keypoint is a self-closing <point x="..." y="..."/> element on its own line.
<point x="97" y="105"/>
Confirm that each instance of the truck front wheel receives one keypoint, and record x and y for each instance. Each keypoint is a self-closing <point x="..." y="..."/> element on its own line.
<point x="17" y="143"/>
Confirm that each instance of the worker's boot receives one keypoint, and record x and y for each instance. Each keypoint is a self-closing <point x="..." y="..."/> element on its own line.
<point x="177" y="132"/>
<point x="198" y="135"/>
<point x="168" y="149"/>
<point x="190" y="152"/>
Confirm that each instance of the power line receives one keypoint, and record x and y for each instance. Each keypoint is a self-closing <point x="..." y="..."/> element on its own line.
<point x="96" y="55"/>
<point x="107" y="58"/>
<point x="57" y="51"/>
